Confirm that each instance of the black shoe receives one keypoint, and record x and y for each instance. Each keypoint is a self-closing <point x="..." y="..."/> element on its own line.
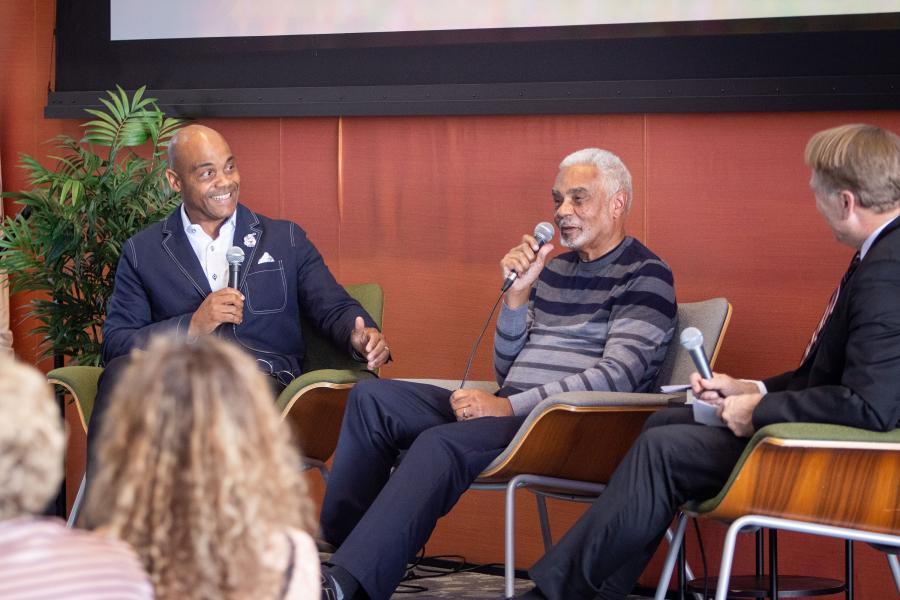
<point x="532" y="594"/>
<point x="329" y="587"/>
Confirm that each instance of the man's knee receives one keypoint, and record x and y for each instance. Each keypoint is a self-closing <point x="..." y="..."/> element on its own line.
<point x="656" y="443"/>
<point x="669" y="416"/>
<point x="433" y="439"/>
<point x="364" y="397"/>
<point x="366" y="388"/>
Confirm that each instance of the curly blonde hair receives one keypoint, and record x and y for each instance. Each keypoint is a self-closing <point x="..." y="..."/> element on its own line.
<point x="198" y="473"/>
<point x="32" y="440"/>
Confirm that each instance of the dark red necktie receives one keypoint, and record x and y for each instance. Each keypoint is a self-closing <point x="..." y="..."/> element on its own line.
<point x="828" y="309"/>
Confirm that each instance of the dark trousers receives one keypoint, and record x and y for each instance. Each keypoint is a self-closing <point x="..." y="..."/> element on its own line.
<point x="674" y="460"/>
<point x="377" y="519"/>
<point x="111" y="375"/>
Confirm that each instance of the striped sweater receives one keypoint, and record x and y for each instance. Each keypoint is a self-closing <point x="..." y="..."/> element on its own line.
<point x="602" y="325"/>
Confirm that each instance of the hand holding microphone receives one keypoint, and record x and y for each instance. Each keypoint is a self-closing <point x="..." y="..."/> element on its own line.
<point x="707" y="385"/>
<point x="223" y="306"/>
<point x="523" y="264"/>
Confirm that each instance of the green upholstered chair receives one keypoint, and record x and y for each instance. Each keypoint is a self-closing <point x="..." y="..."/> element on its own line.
<point x="313" y="404"/>
<point x="570" y="443"/>
<point x="812" y="478"/>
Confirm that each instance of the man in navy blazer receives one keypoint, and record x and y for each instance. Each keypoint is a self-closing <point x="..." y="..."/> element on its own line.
<point x="172" y="278"/>
<point x="849" y="375"/>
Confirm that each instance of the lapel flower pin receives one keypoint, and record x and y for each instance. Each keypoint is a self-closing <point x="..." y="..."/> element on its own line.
<point x="250" y="240"/>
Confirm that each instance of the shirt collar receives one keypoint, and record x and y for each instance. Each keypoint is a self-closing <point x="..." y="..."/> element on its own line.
<point x="230" y="222"/>
<point x="871" y="239"/>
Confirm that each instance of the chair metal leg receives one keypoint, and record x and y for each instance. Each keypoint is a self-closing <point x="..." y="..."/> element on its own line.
<point x="674" y="544"/>
<point x="760" y="553"/>
<point x="894" y="565"/>
<point x="545" y="521"/>
<point x="773" y="564"/>
<point x="883" y="539"/>
<point x="519" y="481"/>
<point x="509" y="545"/>
<point x="76" y="506"/>
<point x="727" y="560"/>
<point x="848" y="569"/>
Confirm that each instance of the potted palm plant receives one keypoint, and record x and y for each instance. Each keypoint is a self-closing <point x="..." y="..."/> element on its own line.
<point x="63" y="246"/>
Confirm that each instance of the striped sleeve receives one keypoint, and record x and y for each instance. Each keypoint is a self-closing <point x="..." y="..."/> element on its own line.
<point x="509" y="337"/>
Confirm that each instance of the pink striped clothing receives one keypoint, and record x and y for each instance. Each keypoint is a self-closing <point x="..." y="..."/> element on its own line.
<point x="41" y="559"/>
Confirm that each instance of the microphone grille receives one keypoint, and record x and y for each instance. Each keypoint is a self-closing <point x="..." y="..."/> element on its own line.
<point x="543" y="232"/>
<point x="691" y="338"/>
<point x="234" y="256"/>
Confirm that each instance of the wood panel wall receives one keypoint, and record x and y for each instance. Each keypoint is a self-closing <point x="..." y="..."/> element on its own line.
<point x="427" y="206"/>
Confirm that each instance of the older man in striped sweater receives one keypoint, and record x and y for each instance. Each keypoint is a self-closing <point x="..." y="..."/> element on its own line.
<point x="597" y="318"/>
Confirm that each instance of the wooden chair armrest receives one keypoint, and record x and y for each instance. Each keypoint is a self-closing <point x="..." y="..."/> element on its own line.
<point x="587" y="399"/>
<point x="313" y="405"/>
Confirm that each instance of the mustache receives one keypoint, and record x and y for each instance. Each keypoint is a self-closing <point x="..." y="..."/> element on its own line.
<point x="566" y="222"/>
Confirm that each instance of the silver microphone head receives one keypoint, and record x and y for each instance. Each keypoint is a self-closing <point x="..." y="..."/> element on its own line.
<point x="234" y="256"/>
<point x="691" y="338"/>
<point x="543" y="232"/>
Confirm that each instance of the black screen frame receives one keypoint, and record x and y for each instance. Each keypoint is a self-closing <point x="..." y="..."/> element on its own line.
<point x="816" y="63"/>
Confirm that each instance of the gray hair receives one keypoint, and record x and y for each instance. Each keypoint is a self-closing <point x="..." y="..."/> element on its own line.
<point x="615" y="174"/>
<point x="32" y="441"/>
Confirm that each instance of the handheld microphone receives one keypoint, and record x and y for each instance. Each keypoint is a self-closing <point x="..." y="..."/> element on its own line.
<point x="692" y="341"/>
<point x="543" y="233"/>
<point x="235" y="258"/>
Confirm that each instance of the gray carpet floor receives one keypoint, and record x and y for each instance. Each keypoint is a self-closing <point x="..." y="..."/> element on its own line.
<point x="465" y="585"/>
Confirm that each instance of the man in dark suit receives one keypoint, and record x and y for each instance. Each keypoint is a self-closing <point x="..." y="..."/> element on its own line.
<point x="172" y="278"/>
<point x="849" y="375"/>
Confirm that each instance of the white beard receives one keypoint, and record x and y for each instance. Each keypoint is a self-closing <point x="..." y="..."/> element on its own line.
<point x="575" y="242"/>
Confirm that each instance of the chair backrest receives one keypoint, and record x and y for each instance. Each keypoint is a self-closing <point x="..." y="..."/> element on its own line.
<point x="322" y="352"/>
<point x="711" y="317"/>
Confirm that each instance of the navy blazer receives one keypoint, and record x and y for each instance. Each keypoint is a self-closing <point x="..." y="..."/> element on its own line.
<point x="160" y="283"/>
<point x="852" y="376"/>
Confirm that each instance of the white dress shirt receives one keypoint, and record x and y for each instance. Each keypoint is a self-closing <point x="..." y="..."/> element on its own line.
<point x="211" y="252"/>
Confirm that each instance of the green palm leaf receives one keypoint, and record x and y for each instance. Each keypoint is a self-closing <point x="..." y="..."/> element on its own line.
<point x="82" y="211"/>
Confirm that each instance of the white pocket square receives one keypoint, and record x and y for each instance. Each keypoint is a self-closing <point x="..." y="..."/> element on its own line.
<point x="266" y="258"/>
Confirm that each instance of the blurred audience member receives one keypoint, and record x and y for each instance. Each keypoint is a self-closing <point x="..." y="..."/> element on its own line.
<point x="200" y="476"/>
<point x="39" y="557"/>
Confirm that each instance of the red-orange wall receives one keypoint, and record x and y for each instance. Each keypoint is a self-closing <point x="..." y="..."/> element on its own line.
<point x="427" y="205"/>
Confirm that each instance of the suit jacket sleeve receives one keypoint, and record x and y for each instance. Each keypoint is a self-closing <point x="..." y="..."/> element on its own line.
<point x="778" y="383"/>
<point x="323" y="301"/>
<point x="868" y="394"/>
<point x="129" y="322"/>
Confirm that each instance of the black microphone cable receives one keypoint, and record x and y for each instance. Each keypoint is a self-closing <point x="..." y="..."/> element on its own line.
<point x="543" y="233"/>
<point x="478" y="341"/>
